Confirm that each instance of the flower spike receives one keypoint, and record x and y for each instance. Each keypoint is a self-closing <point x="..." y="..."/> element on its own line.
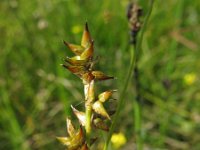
<point x="82" y="65"/>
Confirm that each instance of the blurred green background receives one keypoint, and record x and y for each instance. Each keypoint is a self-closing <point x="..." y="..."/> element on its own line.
<point x="36" y="92"/>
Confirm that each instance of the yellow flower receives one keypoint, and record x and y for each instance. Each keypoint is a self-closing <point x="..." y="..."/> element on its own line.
<point x="76" y="29"/>
<point x="118" y="140"/>
<point x="190" y="78"/>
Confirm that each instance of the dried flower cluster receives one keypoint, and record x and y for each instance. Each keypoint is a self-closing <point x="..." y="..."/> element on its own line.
<point x="95" y="115"/>
<point x="134" y="13"/>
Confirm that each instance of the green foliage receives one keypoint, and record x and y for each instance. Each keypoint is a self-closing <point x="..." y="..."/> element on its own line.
<point x="36" y="92"/>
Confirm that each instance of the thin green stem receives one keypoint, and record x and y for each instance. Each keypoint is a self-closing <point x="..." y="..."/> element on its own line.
<point x="121" y="99"/>
<point x="138" y="125"/>
<point x="140" y="39"/>
<point x="137" y="106"/>
<point x="88" y="122"/>
<point x="89" y="98"/>
<point x="133" y="58"/>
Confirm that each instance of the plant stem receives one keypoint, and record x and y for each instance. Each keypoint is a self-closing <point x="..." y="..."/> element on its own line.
<point x="89" y="98"/>
<point x="137" y="103"/>
<point x="121" y="100"/>
<point x="133" y="58"/>
<point x="137" y="109"/>
<point x="140" y="39"/>
<point x="138" y="125"/>
<point x="88" y="121"/>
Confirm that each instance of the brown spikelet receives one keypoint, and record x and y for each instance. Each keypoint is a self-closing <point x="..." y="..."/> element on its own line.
<point x="86" y="38"/>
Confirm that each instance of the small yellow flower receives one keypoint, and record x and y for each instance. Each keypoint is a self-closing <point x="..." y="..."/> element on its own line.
<point x="190" y="78"/>
<point x="76" y="29"/>
<point x="118" y="140"/>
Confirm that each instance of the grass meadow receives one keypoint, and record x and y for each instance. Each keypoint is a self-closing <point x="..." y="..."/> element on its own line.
<point x="36" y="92"/>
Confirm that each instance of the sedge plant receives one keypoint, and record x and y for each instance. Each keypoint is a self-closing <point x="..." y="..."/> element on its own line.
<point x="94" y="116"/>
<point x="134" y="14"/>
<point x="134" y="22"/>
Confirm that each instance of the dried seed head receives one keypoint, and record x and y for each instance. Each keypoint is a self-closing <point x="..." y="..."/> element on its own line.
<point x="82" y="65"/>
